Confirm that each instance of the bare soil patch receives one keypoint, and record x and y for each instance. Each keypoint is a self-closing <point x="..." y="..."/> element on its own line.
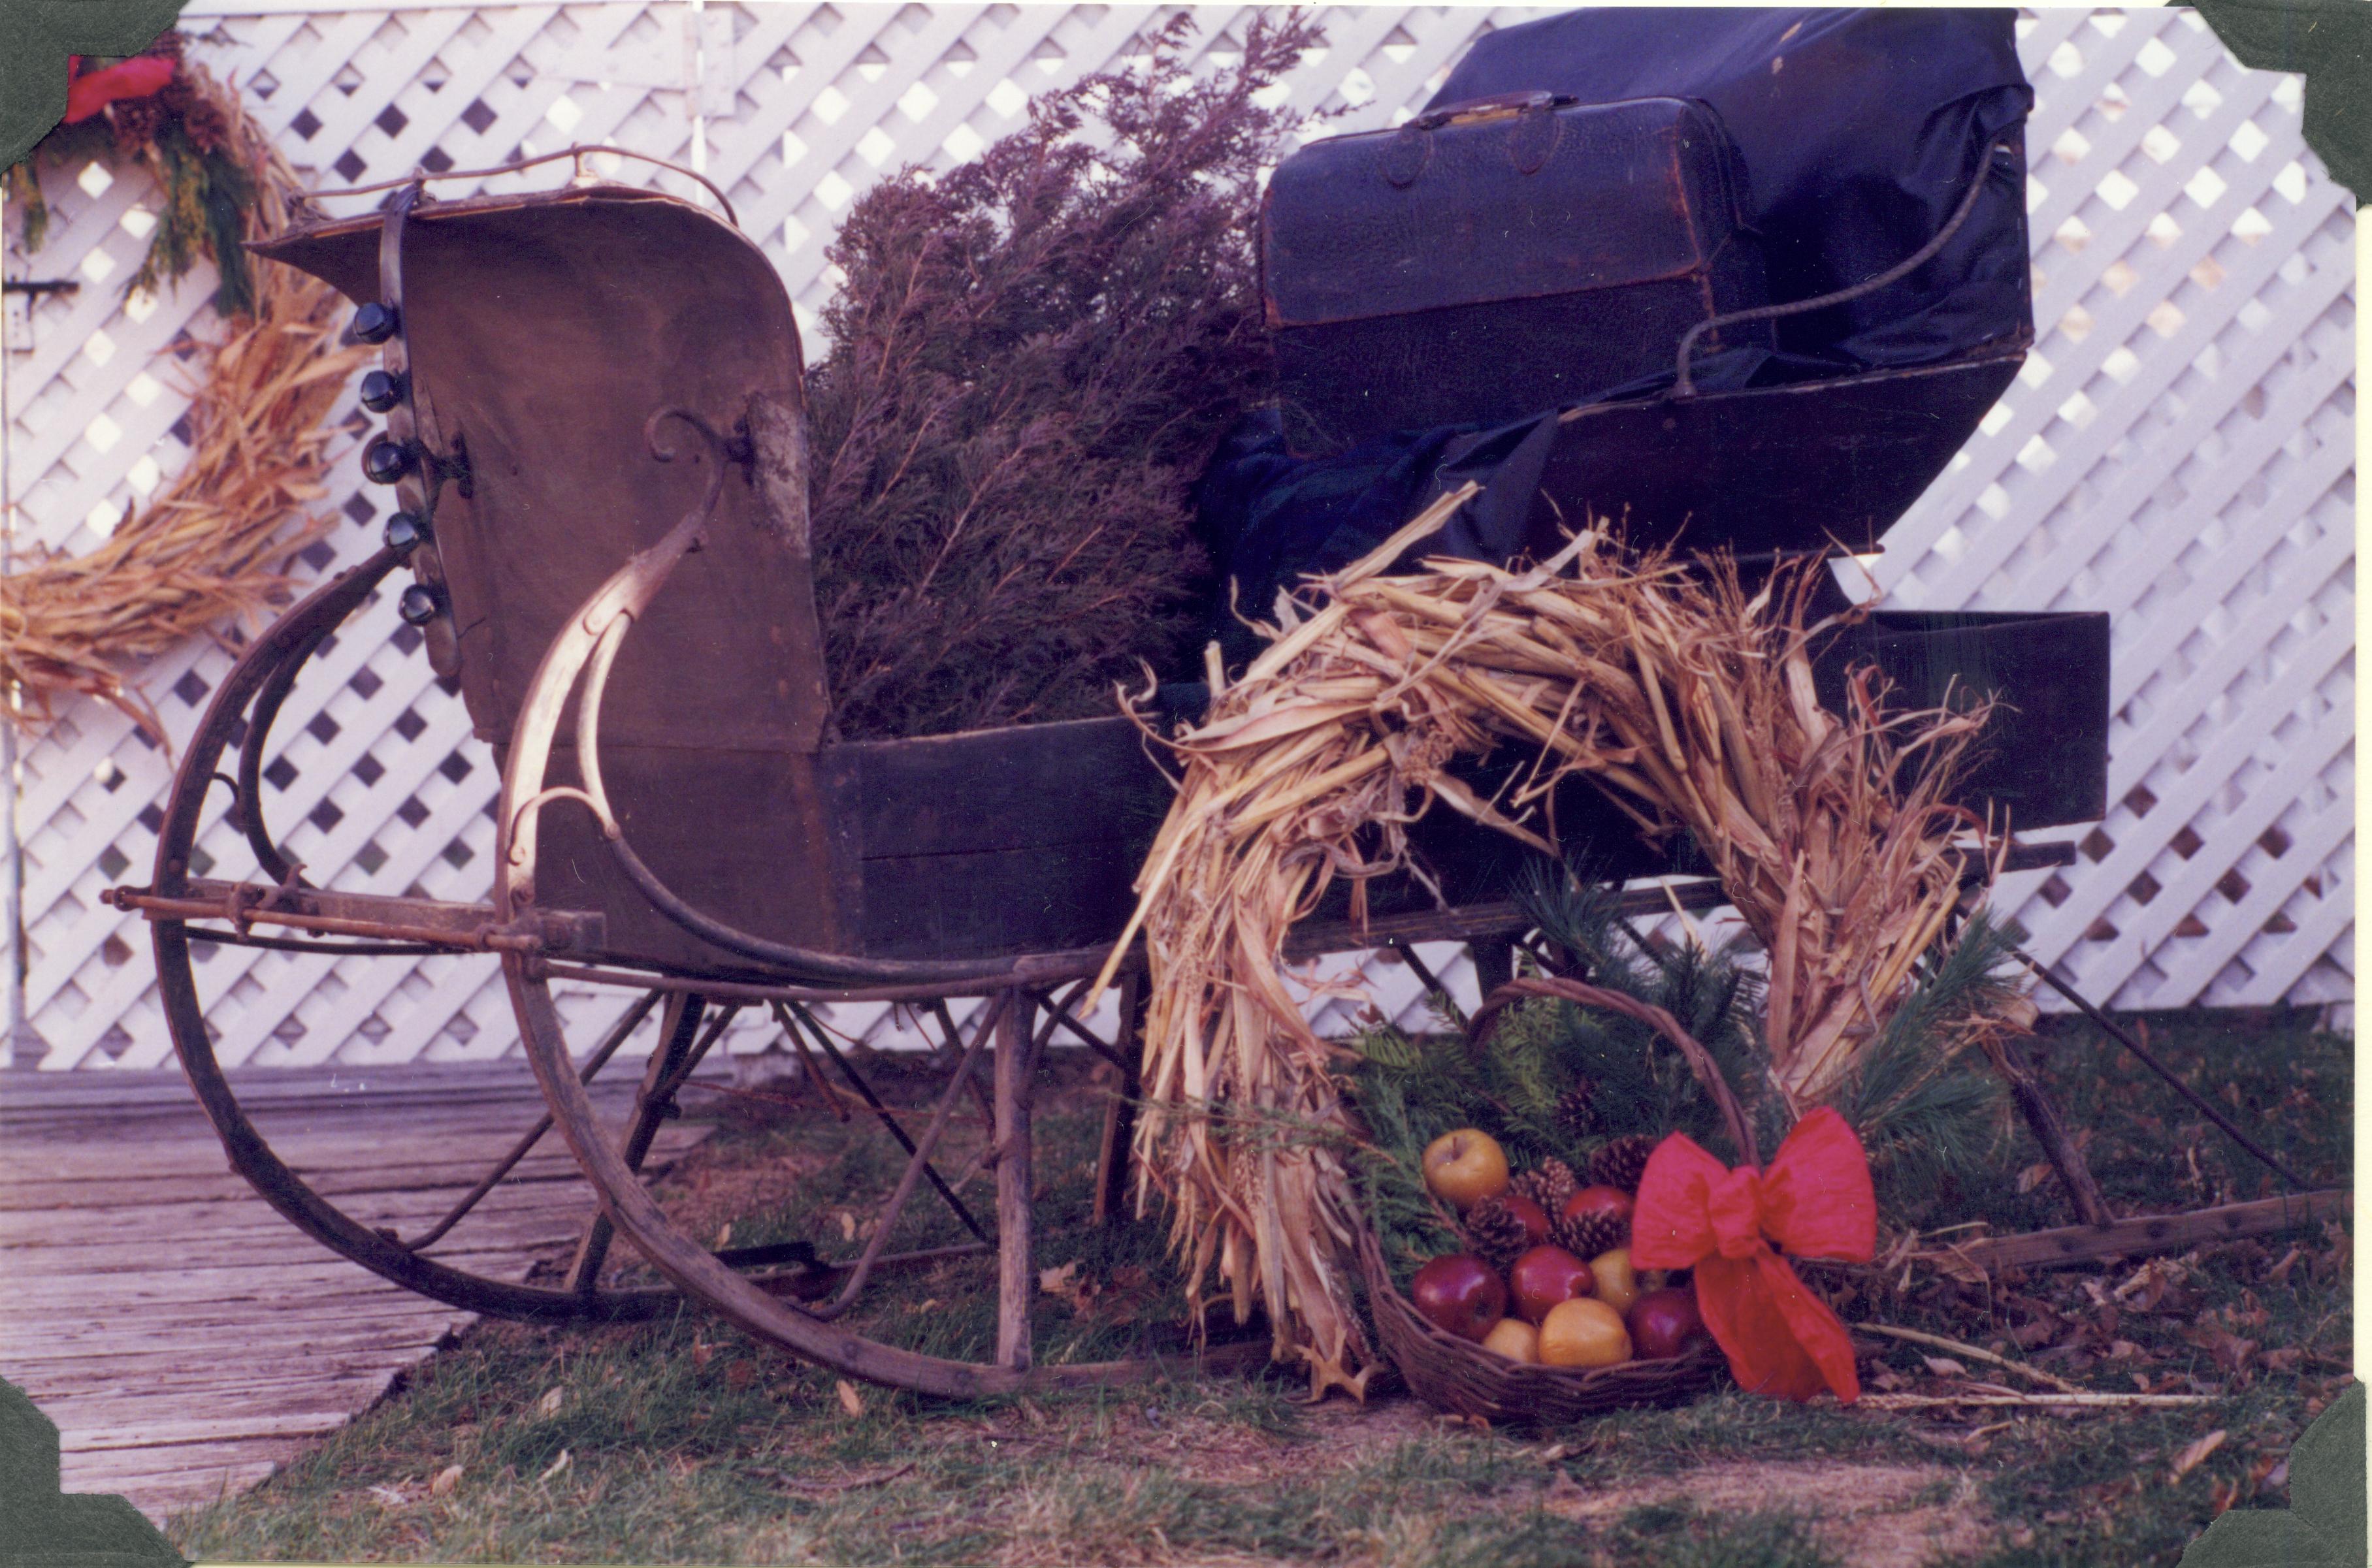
<point x="1870" y="1515"/>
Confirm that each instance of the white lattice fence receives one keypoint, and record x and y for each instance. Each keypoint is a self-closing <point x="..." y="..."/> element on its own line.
<point x="2179" y="452"/>
<point x="2176" y="453"/>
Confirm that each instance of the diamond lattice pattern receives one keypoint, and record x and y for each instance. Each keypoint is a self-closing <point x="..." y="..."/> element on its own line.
<point x="2178" y="453"/>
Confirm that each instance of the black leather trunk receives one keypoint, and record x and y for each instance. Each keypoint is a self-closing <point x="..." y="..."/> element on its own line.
<point x="1489" y="261"/>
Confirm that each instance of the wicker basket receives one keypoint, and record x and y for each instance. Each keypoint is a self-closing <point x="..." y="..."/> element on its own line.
<point x="1458" y="1374"/>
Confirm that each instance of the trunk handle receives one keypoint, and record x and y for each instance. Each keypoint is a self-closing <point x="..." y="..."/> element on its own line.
<point x="1532" y="102"/>
<point x="1533" y="137"/>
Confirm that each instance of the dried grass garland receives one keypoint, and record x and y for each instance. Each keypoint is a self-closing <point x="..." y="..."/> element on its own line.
<point x="214" y="545"/>
<point x="1690" y="703"/>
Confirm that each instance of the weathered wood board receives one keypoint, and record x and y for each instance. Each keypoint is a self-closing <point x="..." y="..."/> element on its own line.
<point x="184" y="1337"/>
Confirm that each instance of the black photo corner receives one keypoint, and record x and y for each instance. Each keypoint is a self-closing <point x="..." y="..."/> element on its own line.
<point x="2329" y="41"/>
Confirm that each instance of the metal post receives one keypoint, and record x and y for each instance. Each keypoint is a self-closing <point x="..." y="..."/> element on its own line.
<point x="1017" y="1273"/>
<point x="677" y="1026"/>
<point x="1120" y="1115"/>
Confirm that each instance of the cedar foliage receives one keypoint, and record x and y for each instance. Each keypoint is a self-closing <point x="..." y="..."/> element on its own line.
<point x="1034" y="357"/>
<point x="187" y="134"/>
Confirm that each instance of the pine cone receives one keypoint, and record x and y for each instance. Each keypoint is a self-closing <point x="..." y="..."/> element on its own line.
<point x="1496" y="1233"/>
<point x="1587" y="1235"/>
<point x="134" y="121"/>
<point x="1549" y="1185"/>
<point x="1621" y="1162"/>
<point x="206" y="124"/>
<point x="1575" y="1113"/>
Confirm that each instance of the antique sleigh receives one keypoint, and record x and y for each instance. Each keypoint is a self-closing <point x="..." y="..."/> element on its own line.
<point x="596" y="442"/>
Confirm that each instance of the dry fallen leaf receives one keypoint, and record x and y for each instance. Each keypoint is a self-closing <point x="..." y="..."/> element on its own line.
<point x="850" y="1399"/>
<point x="446" y="1480"/>
<point x="725" y="1233"/>
<point x="557" y="1466"/>
<point x="549" y="1403"/>
<point x="392" y="1496"/>
<point x="2189" y="1460"/>
<point x="1944" y="1366"/>
<point x="1064" y="1282"/>
<point x="701" y="1351"/>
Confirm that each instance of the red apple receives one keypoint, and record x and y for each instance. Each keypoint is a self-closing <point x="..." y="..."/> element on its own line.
<point x="1662" y="1323"/>
<point x="1610" y="1200"/>
<point x="1544" y="1276"/>
<point x="1459" y="1294"/>
<point x="1535" y="1218"/>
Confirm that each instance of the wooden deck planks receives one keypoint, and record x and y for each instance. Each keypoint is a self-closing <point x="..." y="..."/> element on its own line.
<point x="184" y="1337"/>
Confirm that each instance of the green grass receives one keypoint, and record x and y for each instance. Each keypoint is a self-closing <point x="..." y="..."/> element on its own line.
<point x="686" y="1442"/>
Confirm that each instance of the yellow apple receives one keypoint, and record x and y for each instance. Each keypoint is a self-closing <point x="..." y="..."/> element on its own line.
<point x="1584" y="1332"/>
<point x="1618" y="1283"/>
<point x="1462" y="1168"/>
<point x="1515" y="1339"/>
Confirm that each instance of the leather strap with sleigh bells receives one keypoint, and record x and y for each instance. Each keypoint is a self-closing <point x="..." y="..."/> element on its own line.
<point x="405" y="457"/>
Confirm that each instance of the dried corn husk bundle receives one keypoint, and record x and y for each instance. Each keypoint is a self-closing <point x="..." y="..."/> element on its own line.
<point x="1691" y="704"/>
<point x="208" y="548"/>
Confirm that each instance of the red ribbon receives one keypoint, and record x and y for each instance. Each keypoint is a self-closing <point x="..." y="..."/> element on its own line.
<point x="136" y="78"/>
<point x="1813" y="1201"/>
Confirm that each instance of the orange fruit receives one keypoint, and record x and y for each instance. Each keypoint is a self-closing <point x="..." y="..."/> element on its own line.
<point x="1584" y="1332"/>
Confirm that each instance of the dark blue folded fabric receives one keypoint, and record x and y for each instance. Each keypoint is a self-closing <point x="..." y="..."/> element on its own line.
<point x="1859" y="131"/>
<point x="1271" y="519"/>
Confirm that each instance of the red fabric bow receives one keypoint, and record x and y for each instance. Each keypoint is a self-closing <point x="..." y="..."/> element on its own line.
<point x="1813" y="1200"/>
<point x="136" y="78"/>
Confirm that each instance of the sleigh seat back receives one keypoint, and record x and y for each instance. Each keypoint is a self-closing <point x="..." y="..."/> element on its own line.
<point x="542" y="333"/>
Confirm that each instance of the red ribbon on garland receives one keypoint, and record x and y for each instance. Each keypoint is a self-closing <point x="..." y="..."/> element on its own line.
<point x="137" y="77"/>
<point x="1813" y="1200"/>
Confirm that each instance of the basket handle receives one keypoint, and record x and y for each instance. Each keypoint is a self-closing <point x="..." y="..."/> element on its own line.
<point x="1700" y="1060"/>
